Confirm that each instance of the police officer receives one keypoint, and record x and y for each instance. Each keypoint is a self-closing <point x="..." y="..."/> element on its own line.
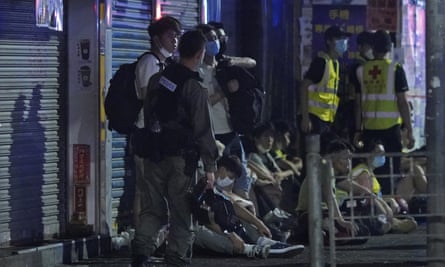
<point x="176" y="110"/>
<point x="384" y="107"/>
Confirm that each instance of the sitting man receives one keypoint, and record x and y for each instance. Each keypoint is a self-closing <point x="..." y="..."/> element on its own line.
<point x="339" y="165"/>
<point x="365" y="185"/>
<point x="237" y="231"/>
<point x="267" y="188"/>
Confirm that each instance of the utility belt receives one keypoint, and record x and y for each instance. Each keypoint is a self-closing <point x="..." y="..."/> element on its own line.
<point x="166" y="143"/>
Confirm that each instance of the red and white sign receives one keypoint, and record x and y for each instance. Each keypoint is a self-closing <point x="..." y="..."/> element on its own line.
<point x="81" y="164"/>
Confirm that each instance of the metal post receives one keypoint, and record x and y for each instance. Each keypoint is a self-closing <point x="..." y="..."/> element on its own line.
<point x="435" y="135"/>
<point x="314" y="186"/>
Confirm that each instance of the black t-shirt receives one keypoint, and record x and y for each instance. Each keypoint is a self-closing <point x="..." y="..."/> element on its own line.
<point x="316" y="70"/>
<point x="353" y="73"/>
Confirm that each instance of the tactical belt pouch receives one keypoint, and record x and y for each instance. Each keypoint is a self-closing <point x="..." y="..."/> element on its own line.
<point x="146" y="144"/>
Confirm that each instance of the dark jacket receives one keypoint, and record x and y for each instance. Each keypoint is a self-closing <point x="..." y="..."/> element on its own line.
<point x="183" y="103"/>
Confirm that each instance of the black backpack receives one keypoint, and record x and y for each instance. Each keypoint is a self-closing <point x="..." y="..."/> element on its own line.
<point x="246" y="104"/>
<point x="122" y="105"/>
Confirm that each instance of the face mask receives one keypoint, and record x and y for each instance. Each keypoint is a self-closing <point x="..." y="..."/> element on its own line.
<point x="378" y="161"/>
<point x="165" y="52"/>
<point x="369" y="54"/>
<point x="212" y="48"/>
<point x="341" y="46"/>
<point x="226" y="181"/>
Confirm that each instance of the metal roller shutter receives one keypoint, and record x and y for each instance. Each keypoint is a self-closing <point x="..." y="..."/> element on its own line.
<point x="130" y="20"/>
<point x="187" y="11"/>
<point x="32" y="167"/>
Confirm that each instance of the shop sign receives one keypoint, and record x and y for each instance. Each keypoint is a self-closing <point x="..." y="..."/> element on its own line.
<point x="81" y="164"/>
<point x="382" y="15"/>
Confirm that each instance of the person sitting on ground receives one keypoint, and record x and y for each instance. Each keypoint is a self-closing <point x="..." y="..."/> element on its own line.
<point x="245" y="234"/>
<point x="279" y="151"/>
<point x="412" y="187"/>
<point x="364" y="184"/>
<point x="267" y="190"/>
<point x="338" y="156"/>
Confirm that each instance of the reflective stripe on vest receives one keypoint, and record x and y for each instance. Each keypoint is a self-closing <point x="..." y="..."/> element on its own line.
<point x="323" y="99"/>
<point x="379" y="101"/>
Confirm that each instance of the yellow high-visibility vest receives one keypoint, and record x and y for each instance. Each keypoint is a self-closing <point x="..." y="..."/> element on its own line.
<point x="323" y="99"/>
<point x="379" y="101"/>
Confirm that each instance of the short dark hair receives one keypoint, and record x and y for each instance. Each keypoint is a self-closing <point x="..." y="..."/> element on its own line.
<point x="337" y="145"/>
<point x="163" y="25"/>
<point x="381" y="42"/>
<point x="231" y="163"/>
<point x="262" y="128"/>
<point x="364" y="38"/>
<point x="205" y="28"/>
<point x="282" y="127"/>
<point x="335" y="31"/>
<point x="216" y="25"/>
<point x="190" y="43"/>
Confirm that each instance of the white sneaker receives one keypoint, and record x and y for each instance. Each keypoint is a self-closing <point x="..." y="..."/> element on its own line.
<point x="264" y="241"/>
<point x="257" y="251"/>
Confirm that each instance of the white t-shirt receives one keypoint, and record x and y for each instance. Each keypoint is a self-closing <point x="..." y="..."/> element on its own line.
<point x="146" y="67"/>
<point x="218" y="112"/>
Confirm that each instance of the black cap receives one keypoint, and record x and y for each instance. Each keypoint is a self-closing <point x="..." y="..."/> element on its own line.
<point x="382" y="41"/>
<point x="364" y="38"/>
<point x="335" y="32"/>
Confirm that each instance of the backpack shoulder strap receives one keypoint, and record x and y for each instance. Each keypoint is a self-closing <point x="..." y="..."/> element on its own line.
<point x="160" y="64"/>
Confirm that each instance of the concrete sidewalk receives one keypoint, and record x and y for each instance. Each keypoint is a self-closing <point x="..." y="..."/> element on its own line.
<point x="388" y="250"/>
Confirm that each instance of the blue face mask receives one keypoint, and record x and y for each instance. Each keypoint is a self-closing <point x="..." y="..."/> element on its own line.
<point x="212" y="48"/>
<point x="341" y="46"/>
<point x="378" y="161"/>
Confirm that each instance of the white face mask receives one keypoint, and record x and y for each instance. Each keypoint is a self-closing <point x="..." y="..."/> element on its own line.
<point x="165" y="52"/>
<point x="369" y="54"/>
<point x="224" y="182"/>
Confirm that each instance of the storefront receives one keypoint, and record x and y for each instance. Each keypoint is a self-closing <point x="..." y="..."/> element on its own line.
<point x="129" y="39"/>
<point x="32" y="123"/>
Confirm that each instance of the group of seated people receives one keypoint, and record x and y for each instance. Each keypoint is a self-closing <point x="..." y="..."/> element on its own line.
<point x="269" y="195"/>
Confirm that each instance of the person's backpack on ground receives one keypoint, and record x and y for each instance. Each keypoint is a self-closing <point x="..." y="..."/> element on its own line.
<point x="245" y="104"/>
<point x="122" y="105"/>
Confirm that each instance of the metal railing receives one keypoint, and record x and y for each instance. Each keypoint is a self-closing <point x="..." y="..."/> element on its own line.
<point x="319" y="168"/>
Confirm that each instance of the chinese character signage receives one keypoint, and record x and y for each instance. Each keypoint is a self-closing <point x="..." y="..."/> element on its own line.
<point x="49" y="14"/>
<point x="351" y="18"/>
<point x="81" y="164"/>
<point x="382" y="14"/>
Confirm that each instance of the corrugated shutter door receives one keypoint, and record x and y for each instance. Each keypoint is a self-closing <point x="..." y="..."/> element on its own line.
<point x="130" y="20"/>
<point x="32" y="160"/>
<point x="129" y="40"/>
<point x="187" y="11"/>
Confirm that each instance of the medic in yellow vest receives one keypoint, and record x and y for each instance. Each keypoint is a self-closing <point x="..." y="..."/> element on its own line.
<point x="383" y="86"/>
<point x="318" y="94"/>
